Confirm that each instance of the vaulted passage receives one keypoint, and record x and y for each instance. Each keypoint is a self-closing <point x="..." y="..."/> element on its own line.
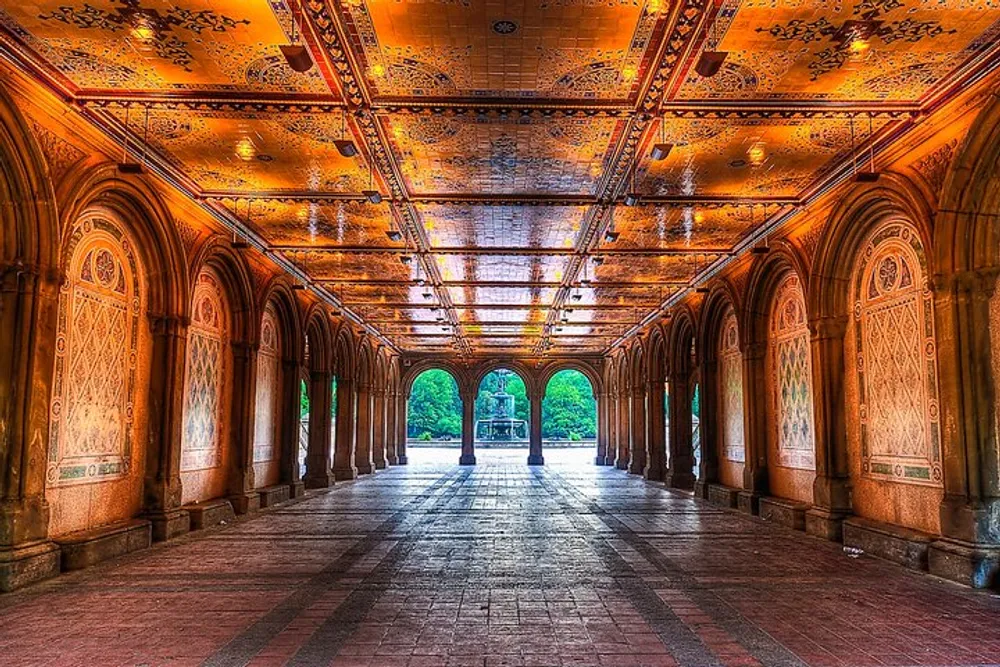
<point x="500" y="564"/>
<point x="483" y="332"/>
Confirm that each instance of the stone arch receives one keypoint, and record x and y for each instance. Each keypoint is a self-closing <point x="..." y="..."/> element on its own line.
<point x="344" y="348"/>
<point x="967" y="317"/>
<point x="778" y="468"/>
<point x="656" y="377"/>
<point x="98" y="409"/>
<point x="723" y="392"/>
<point x="553" y="368"/>
<point x="29" y="260"/>
<point x="217" y="450"/>
<point x="277" y="394"/>
<point x="683" y="363"/>
<point x="889" y="224"/>
<point x="485" y="368"/>
<point x="415" y="369"/>
<point x="317" y="374"/>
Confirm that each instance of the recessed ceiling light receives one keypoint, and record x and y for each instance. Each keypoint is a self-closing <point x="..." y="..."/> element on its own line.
<point x="505" y="27"/>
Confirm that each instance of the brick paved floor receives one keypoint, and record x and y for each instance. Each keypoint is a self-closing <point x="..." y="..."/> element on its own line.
<point x="437" y="565"/>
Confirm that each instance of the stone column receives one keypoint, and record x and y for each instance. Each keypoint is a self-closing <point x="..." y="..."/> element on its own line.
<point x="637" y="431"/>
<point x="969" y="550"/>
<point x="708" y="469"/>
<point x="602" y="429"/>
<point x="288" y="436"/>
<point x="27" y="325"/>
<point x="680" y="475"/>
<point x="391" y="432"/>
<point x="468" y="456"/>
<point x="832" y="487"/>
<point x="535" y="431"/>
<point x="162" y="480"/>
<point x="363" y="450"/>
<point x="379" y="430"/>
<point x="318" y="473"/>
<point x="242" y="495"/>
<point x="343" y="453"/>
<point x="612" y="428"/>
<point x="755" y="432"/>
<point x="401" y="399"/>
<point x="624" y="415"/>
<point x="655" y="436"/>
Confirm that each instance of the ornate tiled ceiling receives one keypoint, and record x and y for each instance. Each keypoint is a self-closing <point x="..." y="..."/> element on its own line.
<point x="504" y="137"/>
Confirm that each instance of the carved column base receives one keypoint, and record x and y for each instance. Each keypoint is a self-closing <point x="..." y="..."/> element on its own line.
<point x="168" y="524"/>
<point x="393" y="460"/>
<point x="343" y="474"/>
<point x="621" y="464"/>
<point x="653" y="474"/>
<point x="245" y="503"/>
<point x="402" y="460"/>
<point x="27" y="563"/>
<point x="968" y="563"/>
<point x="366" y="469"/>
<point x="296" y="489"/>
<point x="467" y="460"/>
<point x="381" y="465"/>
<point x="679" y="480"/>
<point x="600" y="460"/>
<point x="825" y="523"/>
<point x="748" y="502"/>
<point x="636" y="468"/>
<point x="536" y="460"/>
<point x="321" y="481"/>
<point x="701" y="489"/>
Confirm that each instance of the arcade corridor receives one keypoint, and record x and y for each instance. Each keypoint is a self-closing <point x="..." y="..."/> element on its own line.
<point x="498" y="564"/>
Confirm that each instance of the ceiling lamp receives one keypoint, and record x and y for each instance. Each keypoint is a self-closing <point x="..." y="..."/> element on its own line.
<point x="710" y="61"/>
<point x="862" y="175"/>
<point x="125" y="166"/>
<point x="763" y="248"/>
<point x="371" y="194"/>
<point x="345" y="146"/>
<point x="660" y="151"/>
<point x="405" y="259"/>
<point x="428" y="294"/>
<point x="610" y="234"/>
<point x="239" y="243"/>
<point x="392" y="233"/>
<point x="296" y="55"/>
<point x="632" y="196"/>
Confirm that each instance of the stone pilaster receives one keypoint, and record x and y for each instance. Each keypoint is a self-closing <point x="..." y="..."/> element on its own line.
<point x="637" y="431"/>
<point x="343" y="453"/>
<point x="318" y="473"/>
<point x="242" y="495"/>
<point x="655" y="432"/>
<point x="363" y="449"/>
<point x="379" y="429"/>
<point x="535" y="431"/>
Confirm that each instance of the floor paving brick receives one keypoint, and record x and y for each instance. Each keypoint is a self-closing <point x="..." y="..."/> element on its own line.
<point x="439" y="565"/>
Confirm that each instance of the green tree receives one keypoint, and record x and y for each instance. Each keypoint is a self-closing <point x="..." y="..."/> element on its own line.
<point x="569" y="408"/>
<point x="435" y="406"/>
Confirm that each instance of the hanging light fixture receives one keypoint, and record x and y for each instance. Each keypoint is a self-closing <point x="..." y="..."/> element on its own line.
<point x="861" y="175"/>
<point x="296" y="55"/>
<point x="610" y="234"/>
<point x="710" y="61"/>
<point x="763" y="248"/>
<point x="371" y="194"/>
<point x="661" y="149"/>
<point x="237" y="242"/>
<point x="126" y="166"/>
<point x="346" y="147"/>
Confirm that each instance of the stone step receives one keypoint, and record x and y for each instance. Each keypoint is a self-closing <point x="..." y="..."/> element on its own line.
<point x="89" y="547"/>
<point x="210" y="513"/>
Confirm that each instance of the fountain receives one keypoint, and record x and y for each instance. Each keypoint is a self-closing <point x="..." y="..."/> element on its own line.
<point x="502" y="426"/>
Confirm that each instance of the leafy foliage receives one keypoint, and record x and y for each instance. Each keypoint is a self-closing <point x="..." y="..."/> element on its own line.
<point x="569" y="410"/>
<point x="435" y="406"/>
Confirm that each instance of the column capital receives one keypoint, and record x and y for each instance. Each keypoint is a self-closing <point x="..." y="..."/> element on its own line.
<point x="828" y="328"/>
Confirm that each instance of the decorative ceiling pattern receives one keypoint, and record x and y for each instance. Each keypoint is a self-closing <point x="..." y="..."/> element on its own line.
<point x="503" y="138"/>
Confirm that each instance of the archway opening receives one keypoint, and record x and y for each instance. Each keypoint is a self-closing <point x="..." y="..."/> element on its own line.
<point x="569" y="419"/>
<point x="501" y="425"/>
<point x="434" y="418"/>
